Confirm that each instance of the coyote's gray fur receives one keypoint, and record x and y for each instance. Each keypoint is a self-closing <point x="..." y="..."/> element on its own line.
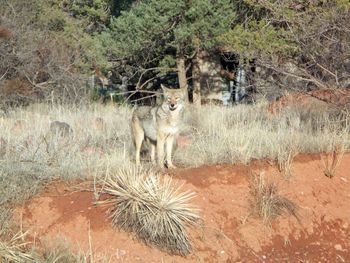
<point x="159" y="125"/>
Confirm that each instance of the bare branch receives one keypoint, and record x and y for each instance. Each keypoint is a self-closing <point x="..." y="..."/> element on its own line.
<point x="143" y="98"/>
<point x="144" y="71"/>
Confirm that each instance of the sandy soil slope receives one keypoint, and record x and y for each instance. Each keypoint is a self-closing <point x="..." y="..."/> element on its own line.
<point x="229" y="233"/>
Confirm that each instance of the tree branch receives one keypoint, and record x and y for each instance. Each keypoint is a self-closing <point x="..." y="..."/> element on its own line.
<point x="147" y="70"/>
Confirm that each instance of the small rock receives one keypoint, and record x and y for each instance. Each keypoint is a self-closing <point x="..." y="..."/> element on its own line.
<point x="338" y="247"/>
<point x="344" y="179"/>
<point x="62" y="129"/>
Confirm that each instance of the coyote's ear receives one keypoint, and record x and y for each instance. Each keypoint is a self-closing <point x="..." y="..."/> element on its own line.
<point x="185" y="87"/>
<point x="163" y="88"/>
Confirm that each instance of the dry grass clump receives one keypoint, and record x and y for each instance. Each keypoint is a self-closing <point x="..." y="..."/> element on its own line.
<point x="62" y="253"/>
<point x="149" y="205"/>
<point x="285" y="160"/>
<point x="268" y="203"/>
<point x="332" y="160"/>
<point x="16" y="250"/>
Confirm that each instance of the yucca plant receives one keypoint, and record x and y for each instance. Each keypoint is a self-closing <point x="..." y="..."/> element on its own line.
<point x="147" y="204"/>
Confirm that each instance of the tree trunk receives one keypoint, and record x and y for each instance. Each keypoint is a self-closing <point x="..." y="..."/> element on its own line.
<point x="196" y="74"/>
<point x="181" y="72"/>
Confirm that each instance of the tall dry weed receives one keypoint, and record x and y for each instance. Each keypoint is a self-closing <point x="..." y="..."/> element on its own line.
<point x="267" y="202"/>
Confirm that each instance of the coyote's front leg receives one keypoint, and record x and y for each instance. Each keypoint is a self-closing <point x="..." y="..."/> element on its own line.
<point x="160" y="149"/>
<point x="169" y="148"/>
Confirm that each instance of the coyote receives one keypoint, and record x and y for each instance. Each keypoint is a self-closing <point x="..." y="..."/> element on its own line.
<point x="159" y="125"/>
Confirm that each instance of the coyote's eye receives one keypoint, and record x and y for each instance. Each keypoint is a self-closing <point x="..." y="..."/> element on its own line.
<point x="177" y="98"/>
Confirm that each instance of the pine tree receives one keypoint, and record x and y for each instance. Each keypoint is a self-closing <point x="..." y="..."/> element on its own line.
<point x="161" y="33"/>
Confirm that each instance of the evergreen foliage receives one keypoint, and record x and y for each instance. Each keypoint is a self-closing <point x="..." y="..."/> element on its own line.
<point x="152" y="33"/>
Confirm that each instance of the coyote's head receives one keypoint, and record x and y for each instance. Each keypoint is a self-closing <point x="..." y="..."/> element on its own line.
<point x="173" y="98"/>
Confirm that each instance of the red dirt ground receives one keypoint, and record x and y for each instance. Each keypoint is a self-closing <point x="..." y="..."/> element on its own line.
<point x="229" y="232"/>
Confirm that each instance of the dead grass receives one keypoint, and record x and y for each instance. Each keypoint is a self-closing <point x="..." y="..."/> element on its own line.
<point x="149" y="205"/>
<point x="244" y="132"/>
<point x="33" y="154"/>
<point x="267" y="203"/>
<point x="332" y="160"/>
<point x="62" y="253"/>
<point x="285" y="160"/>
<point x="16" y="250"/>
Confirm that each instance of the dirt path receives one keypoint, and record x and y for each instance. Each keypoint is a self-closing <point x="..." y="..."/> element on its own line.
<point x="229" y="232"/>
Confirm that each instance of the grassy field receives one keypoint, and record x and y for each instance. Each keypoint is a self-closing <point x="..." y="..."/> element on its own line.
<point x="101" y="140"/>
<point x="31" y="155"/>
